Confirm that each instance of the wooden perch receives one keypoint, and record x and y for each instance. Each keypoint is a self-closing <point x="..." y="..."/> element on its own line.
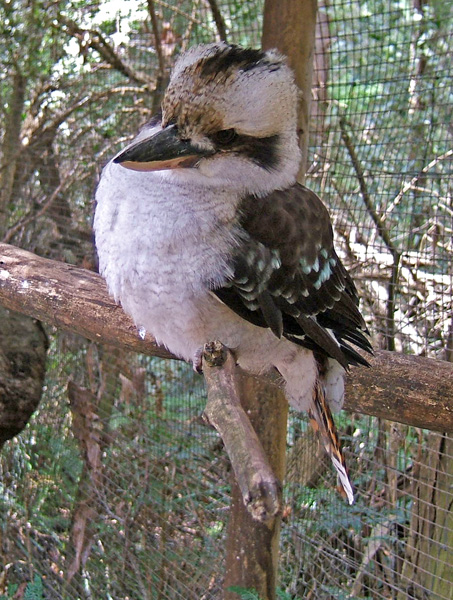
<point x="69" y="298"/>
<point x="260" y="489"/>
<point x="408" y="389"/>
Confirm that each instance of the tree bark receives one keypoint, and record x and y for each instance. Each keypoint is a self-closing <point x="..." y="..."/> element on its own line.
<point x="252" y="547"/>
<point x="11" y="146"/>
<point x="414" y="390"/>
<point x="69" y="298"/>
<point x="260" y="489"/>
<point x="408" y="389"/>
<point x="290" y="26"/>
<point x="429" y="547"/>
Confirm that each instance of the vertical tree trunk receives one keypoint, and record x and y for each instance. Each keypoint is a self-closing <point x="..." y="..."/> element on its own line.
<point x="290" y="26"/>
<point x="11" y="145"/>
<point x="427" y="562"/>
<point x="252" y="548"/>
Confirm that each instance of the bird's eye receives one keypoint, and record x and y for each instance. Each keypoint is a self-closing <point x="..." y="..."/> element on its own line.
<point x="225" y="137"/>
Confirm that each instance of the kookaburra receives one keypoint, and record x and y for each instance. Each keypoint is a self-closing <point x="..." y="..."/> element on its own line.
<point x="203" y="233"/>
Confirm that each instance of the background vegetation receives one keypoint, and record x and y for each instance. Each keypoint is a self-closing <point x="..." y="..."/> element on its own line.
<point x="116" y="489"/>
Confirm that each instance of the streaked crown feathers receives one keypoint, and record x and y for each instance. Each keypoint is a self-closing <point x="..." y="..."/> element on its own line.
<point x="221" y="86"/>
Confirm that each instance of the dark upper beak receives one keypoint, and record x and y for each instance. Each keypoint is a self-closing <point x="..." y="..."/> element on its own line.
<point x="164" y="150"/>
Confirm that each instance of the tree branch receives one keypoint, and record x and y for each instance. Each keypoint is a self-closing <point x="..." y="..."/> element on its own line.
<point x="157" y="38"/>
<point x="95" y="40"/>
<point x="377" y="219"/>
<point x="409" y="389"/>
<point x="383" y="232"/>
<point x="69" y="298"/>
<point x="218" y="19"/>
<point x="413" y="390"/>
<point x="261" y="490"/>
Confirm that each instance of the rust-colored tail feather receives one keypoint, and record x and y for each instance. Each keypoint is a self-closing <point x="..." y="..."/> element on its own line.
<point x="322" y="422"/>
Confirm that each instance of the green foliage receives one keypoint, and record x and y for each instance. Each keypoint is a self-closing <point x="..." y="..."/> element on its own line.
<point x="338" y="593"/>
<point x="282" y="595"/>
<point x="33" y="591"/>
<point x="366" y="93"/>
<point x="160" y="501"/>
<point x="244" y="593"/>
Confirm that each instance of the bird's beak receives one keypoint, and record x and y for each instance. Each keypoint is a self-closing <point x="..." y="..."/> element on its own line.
<point x="163" y="150"/>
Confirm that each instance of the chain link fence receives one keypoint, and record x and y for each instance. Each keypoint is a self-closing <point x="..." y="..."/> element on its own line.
<point x="117" y="489"/>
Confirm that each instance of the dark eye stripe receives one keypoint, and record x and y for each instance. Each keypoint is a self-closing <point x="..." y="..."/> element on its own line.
<point x="263" y="151"/>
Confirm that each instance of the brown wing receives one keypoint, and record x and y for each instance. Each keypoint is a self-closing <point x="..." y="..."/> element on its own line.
<point x="288" y="277"/>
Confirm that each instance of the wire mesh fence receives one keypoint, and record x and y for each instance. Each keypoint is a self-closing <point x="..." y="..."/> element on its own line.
<point x="117" y="489"/>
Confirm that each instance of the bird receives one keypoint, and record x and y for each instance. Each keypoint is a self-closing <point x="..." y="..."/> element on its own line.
<point x="203" y="233"/>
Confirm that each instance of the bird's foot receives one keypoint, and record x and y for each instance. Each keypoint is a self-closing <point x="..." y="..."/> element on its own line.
<point x="215" y="353"/>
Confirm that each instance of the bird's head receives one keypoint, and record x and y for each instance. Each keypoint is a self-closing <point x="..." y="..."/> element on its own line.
<point x="229" y="118"/>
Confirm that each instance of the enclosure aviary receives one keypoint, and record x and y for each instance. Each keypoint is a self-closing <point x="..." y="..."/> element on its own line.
<point x="203" y="233"/>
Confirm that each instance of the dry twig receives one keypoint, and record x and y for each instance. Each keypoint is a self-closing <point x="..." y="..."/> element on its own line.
<point x="260" y="489"/>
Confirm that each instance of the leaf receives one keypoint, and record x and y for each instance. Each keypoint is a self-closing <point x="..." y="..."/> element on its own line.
<point x="34" y="590"/>
<point x="244" y="593"/>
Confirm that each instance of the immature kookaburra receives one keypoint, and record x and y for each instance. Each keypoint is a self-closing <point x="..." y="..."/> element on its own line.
<point x="203" y="233"/>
